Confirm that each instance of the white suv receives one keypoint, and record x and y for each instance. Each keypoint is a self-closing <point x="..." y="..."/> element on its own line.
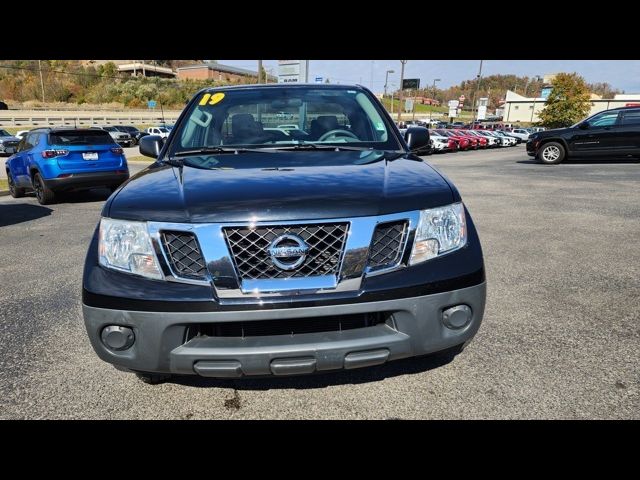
<point x="160" y="131"/>
<point x="520" y="133"/>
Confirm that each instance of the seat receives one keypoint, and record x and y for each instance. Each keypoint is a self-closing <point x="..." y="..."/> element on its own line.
<point x="245" y="129"/>
<point x="322" y="125"/>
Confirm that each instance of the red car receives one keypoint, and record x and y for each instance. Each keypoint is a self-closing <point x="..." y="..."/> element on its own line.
<point x="464" y="143"/>
<point x="473" y="140"/>
<point x="484" y="143"/>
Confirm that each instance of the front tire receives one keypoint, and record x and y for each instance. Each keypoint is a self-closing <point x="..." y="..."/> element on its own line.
<point x="14" y="190"/>
<point x="44" y="194"/>
<point x="551" y="153"/>
<point x="152" y="378"/>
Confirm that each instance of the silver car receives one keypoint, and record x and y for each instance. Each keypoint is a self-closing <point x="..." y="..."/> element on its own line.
<point x="7" y="141"/>
<point x="121" y="138"/>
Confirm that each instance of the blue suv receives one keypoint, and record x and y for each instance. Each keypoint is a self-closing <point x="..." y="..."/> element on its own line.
<point x="52" y="160"/>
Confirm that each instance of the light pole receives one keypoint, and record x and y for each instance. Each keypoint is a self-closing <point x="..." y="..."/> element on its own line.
<point x="392" y="85"/>
<point x="475" y="96"/>
<point x="403" y="62"/>
<point x="434" y="97"/>
<point x="386" y="81"/>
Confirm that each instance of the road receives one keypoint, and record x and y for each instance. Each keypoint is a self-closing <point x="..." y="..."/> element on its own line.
<point x="559" y="340"/>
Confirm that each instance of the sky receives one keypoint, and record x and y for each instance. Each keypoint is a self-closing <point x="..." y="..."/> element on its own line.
<point x="621" y="74"/>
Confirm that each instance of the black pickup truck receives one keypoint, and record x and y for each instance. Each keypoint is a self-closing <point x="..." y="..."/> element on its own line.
<point x="247" y="249"/>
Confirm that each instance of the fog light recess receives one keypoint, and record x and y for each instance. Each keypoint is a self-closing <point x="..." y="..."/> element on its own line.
<point x="457" y="317"/>
<point x="117" y="338"/>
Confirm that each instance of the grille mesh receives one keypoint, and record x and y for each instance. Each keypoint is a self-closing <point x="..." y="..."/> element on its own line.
<point x="387" y="244"/>
<point x="249" y="249"/>
<point x="184" y="255"/>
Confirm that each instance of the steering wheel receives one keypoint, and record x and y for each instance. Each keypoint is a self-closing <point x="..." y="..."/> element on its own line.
<point x="337" y="133"/>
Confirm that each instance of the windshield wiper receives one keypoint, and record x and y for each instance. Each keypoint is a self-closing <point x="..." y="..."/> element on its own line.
<point x="205" y="150"/>
<point x="315" y="146"/>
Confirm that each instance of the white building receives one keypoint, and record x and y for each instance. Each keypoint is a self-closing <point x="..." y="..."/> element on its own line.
<point x="525" y="109"/>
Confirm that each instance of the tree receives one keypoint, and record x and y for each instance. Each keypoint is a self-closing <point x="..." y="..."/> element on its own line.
<point x="568" y="101"/>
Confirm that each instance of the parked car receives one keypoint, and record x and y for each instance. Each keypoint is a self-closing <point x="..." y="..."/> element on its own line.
<point x="241" y="253"/>
<point x="464" y="142"/>
<point x="8" y="142"/>
<point x="509" y="134"/>
<point x="611" y="133"/>
<point x="493" y="139"/>
<point x="506" y="139"/>
<point x="483" y="141"/>
<point x="53" y="160"/>
<point x="4" y="106"/>
<point x="135" y="134"/>
<point x="520" y="133"/>
<point x="159" y="131"/>
<point x="442" y="143"/>
<point x="121" y="138"/>
<point x="21" y="133"/>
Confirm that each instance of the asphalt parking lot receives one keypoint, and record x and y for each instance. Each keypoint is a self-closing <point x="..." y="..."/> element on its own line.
<point x="560" y="337"/>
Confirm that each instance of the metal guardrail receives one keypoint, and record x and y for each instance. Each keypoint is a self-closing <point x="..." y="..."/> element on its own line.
<point x="45" y="121"/>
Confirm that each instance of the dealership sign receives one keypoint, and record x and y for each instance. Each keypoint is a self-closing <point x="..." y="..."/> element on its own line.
<point x="292" y="71"/>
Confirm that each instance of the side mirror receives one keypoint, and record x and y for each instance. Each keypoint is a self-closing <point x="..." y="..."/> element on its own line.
<point x="10" y="150"/>
<point x="583" y="125"/>
<point x="417" y="138"/>
<point x="150" y="145"/>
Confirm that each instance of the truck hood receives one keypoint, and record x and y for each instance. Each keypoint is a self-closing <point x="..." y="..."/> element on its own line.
<point x="5" y="138"/>
<point x="304" y="185"/>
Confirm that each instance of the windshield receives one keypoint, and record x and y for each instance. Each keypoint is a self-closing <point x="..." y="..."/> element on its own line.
<point x="4" y="133"/>
<point x="252" y="117"/>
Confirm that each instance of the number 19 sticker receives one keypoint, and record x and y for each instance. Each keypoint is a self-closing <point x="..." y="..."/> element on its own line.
<point x="208" y="99"/>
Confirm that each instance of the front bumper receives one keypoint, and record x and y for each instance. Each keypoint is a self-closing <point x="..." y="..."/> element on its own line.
<point x="414" y="327"/>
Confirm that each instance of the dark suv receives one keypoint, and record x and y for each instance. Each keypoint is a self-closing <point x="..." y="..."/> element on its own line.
<point x="248" y="250"/>
<point x="135" y="134"/>
<point x="611" y="133"/>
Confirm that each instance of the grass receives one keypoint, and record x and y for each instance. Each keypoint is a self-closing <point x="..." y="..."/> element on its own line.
<point x="3" y="184"/>
<point x="140" y="158"/>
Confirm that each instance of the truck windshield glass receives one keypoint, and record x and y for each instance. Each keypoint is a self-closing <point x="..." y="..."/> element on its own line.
<point x="277" y="117"/>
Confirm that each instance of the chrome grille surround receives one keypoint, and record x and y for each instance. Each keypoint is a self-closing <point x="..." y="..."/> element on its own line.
<point x="222" y="276"/>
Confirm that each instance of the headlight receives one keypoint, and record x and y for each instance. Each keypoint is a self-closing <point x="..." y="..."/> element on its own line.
<point x="440" y="230"/>
<point x="126" y="246"/>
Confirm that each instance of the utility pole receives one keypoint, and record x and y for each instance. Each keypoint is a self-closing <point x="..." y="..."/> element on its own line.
<point x="475" y="96"/>
<point x="259" y="71"/>
<point x="403" y="62"/>
<point x="434" y="97"/>
<point x="41" y="80"/>
<point x="371" y="78"/>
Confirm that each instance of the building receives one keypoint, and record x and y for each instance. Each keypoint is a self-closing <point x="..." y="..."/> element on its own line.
<point x="145" y="70"/>
<point x="218" y="71"/>
<point x="526" y="109"/>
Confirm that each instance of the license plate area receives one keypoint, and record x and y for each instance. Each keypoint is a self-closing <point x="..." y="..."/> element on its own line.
<point x="90" y="155"/>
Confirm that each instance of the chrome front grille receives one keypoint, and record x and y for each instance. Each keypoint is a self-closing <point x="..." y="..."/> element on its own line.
<point x="387" y="245"/>
<point x="251" y="258"/>
<point x="183" y="253"/>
